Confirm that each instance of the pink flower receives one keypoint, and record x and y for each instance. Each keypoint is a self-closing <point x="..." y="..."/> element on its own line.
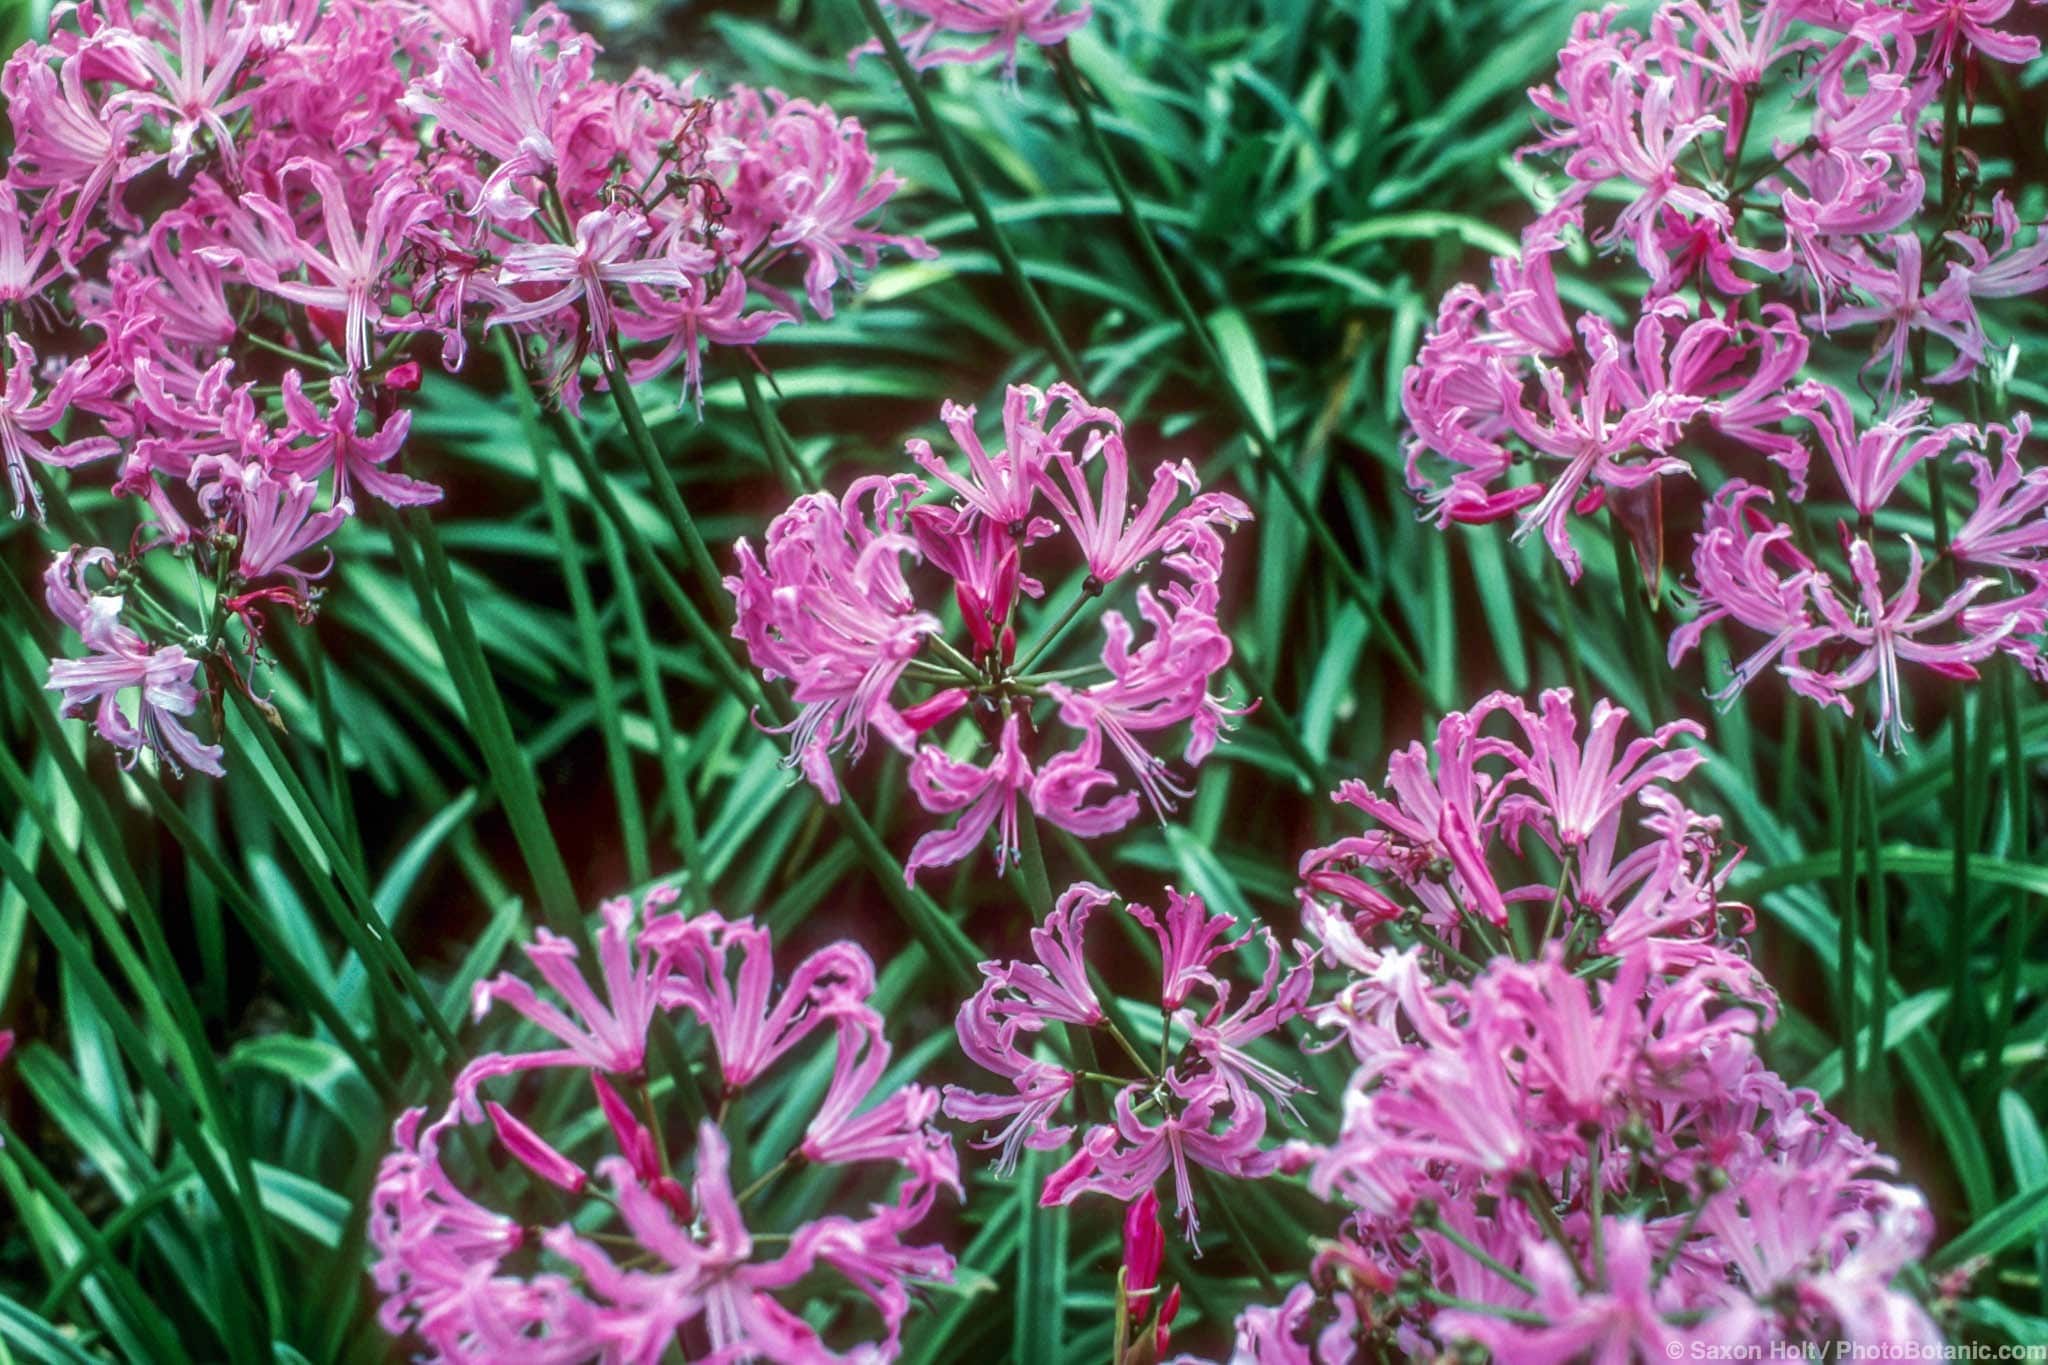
<point x="1581" y="790"/>
<point x="122" y="664"/>
<point x="533" y="1152"/>
<point x="1161" y="683"/>
<point x="1209" y="1104"/>
<point x="26" y="244"/>
<point x="333" y="443"/>
<point x="273" y="521"/>
<point x="1002" y="487"/>
<point x="845" y="598"/>
<point x="1870" y="463"/>
<point x="2015" y="271"/>
<point x="66" y="140"/>
<point x="1144" y="1251"/>
<point x="694" y="314"/>
<point x="606" y="1034"/>
<point x="1128" y="1157"/>
<point x="512" y="112"/>
<point x="1112" y="540"/>
<point x="23" y="418"/>
<point x="1747" y="571"/>
<point x="195" y="88"/>
<point x="2008" y="528"/>
<point x="1425" y="820"/>
<point x="817" y="182"/>
<point x="731" y="1000"/>
<point x="471" y="1282"/>
<point x="1504" y="1112"/>
<point x="1887" y="632"/>
<point x="1615" y="1325"/>
<point x="1627" y="117"/>
<point x="984" y="796"/>
<point x="1950" y="27"/>
<point x="1006" y="23"/>
<point x="353" y="265"/>
<point x="607" y="252"/>
<point x="1190" y="939"/>
<point x="830" y="609"/>
<point x="1900" y="302"/>
<point x="1595" y="434"/>
<point x="1056" y="987"/>
<point x="1038" y="1089"/>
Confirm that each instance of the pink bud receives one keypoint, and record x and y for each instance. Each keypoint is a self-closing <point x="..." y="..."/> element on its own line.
<point x="405" y="378"/>
<point x="635" y="1142"/>
<point x="1144" y="1249"/>
<point x="1162" y="1333"/>
<point x="330" y="324"/>
<point x="533" y="1152"/>
<point x="1355" y="892"/>
<point x="934" y="709"/>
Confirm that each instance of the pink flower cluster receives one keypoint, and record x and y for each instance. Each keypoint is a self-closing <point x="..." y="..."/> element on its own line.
<point x="1750" y="254"/>
<point x="231" y="229"/>
<point x="1200" y="1098"/>
<point x="1568" y="1149"/>
<point x="649" y="1246"/>
<point x="988" y="28"/>
<point x="847" y="601"/>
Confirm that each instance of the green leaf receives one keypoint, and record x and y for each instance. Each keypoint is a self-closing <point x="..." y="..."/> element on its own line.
<point x="2013" y="1221"/>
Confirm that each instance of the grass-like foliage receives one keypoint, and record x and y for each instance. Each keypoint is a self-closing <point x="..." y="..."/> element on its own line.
<point x="552" y="833"/>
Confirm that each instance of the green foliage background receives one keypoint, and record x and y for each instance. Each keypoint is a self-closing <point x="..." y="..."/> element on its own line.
<point x="225" y="991"/>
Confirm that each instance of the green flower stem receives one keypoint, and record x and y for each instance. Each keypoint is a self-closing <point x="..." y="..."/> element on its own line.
<point x="1596" y="1222"/>
<point x="1966" y="1019"/>
<point x="1880" y="950"/>
<point x="511" y="771"/>
<point x="668" y="749"/>
<point x="1567" y="628"/>
<point x="1262" y="449"/>
<point x="731" y="676"/>
<point x="1031" y="863"/>
<point x="1038" y="896"/>
<point x="589" y="638"/>
<point x="1491" y="1310"/>
<point x="782" y="456"/>
<point x="666" y="494"/>
<point x="1537" y="1197"/>
<point x="1671" y="1253"/>
<point x="1059" y="627"/>
<point x="1316" y="773"/>
<point x="1240" y="1236"/>
<point x="970" y="191"/>
<point x="1481" y="1255"/>
<point x="1442" y="946"/>
<point x="2019" y="915"/>
<point x="1849" y="794"/>
<point x="317" y="666"/>
<point x="1642" y="635"/>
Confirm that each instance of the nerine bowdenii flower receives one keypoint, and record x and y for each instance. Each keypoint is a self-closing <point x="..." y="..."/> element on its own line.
<point x="1200" y="1100"/>
<point x="236" y="231"/>
<point x="848" y="597"/>
<point x="1560" y="1141"/>
<point x="639" y="1230"/>
<point x="1777" y="181"/>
